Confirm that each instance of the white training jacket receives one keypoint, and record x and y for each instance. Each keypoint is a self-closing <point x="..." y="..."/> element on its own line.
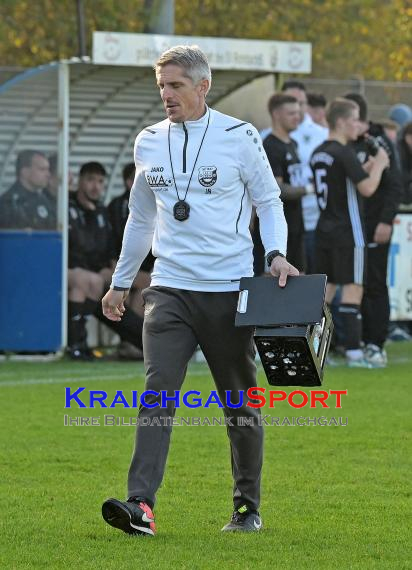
<point x="212" y="249"/>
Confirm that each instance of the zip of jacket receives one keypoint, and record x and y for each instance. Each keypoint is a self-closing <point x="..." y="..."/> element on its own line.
<point x="185" y="147"/>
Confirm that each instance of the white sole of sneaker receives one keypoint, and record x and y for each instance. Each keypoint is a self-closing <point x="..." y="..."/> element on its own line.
<point x="117" y="516"/>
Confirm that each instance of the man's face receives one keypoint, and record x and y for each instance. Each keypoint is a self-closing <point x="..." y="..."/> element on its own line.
<point x="91" y="186"/>
<point x="351" y="126"/>
<point x="53" y="185"/>
<point x="318" y="115"/>
<point x="182" y="99"/>
<point x="392" y="134"/>
<point x="363" y="127"/>
<point x="302" y="100"/>
<point x="287" y="116"/>
<point x="36" y="176"/>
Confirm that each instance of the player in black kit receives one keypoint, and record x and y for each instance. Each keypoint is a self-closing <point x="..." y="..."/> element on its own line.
<point x="380" y="211"/>
<point x="92" y="256"/>
<point x="118" y="208"/>
<point x="340" y="182"/>
<point x="283" y="157"/>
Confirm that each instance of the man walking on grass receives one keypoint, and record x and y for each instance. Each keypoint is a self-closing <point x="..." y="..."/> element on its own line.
<point x="198" y="173"/>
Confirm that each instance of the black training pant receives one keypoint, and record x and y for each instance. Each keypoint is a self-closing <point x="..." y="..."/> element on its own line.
<point x="175" y="323"/>
<point x="375" y="302"/>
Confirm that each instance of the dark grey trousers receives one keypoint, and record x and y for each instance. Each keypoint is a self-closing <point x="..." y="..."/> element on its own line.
<point x="175" y="323"/>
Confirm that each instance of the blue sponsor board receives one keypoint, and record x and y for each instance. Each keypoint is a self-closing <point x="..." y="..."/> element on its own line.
<point x="30" y="291"/>
<point x="400" y="269"/>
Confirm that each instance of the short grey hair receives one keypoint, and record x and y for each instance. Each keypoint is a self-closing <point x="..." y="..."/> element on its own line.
<point x="191" y="59"/>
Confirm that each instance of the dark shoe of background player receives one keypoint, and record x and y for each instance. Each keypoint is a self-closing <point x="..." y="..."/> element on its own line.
<point x="132" y="516"/>
<point x="399" y="334"/>
<point x="83" y="353"/>
<point x="244" y="520"/>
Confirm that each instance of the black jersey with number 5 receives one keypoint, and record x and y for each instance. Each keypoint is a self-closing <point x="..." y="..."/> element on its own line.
<point x="336" y="172"/>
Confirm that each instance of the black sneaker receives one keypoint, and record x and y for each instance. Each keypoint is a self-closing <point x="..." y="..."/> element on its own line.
<point x="244" y="520"/>
<point x="84" y="354"/>
<point x="132" y="516"/>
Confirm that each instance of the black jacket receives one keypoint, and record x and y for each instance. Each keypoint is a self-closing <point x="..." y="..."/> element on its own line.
<point x="405" y="157"/>
<point x="91" y="243"/>
<point x="383" y="205"/>
<point x="22" y="209"/>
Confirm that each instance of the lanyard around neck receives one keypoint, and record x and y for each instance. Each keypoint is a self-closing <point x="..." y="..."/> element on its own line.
<point x="194" y="165"/>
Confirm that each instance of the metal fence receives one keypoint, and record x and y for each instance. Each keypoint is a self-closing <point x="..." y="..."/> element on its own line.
<point x="381" y="95"/>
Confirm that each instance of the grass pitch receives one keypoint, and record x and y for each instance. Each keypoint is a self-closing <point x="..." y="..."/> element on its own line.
<point x="332" y="497"/>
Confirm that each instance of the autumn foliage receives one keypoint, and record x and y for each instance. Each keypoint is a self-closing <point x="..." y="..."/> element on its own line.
<point x="366" y="38"/>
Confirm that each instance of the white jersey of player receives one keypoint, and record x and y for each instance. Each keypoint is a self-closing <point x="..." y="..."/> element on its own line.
<point x="308" y="136"/>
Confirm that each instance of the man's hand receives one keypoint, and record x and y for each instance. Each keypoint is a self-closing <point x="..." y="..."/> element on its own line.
<point x="367" y="166"/>
<point x="382" y="233"/>
<point x="382" y="158"/>
<point x="281" y="268"/>
<point x="113" y="304"/>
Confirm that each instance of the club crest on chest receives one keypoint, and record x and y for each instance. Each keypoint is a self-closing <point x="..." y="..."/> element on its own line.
<point x="207" y="176"/>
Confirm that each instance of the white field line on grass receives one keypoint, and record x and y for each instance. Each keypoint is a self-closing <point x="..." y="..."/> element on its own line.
<point x="78" y="368"/>
<point x="75" y="373"/>
<point x="72" y="375"/>
<point x="81" y="372"/>
<point x="85" y="379"/>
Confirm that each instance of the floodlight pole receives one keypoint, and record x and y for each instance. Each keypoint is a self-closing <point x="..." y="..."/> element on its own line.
<point x="161" y="17"/>
<point x="81" y="30"/>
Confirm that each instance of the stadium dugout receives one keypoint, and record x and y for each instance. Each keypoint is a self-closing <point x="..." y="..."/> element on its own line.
<point x="92" y="110"/>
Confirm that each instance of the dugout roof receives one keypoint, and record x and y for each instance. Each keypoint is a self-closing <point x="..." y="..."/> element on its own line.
<point x="92" y="110"/>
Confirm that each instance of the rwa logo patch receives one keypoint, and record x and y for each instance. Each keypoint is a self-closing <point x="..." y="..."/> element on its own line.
<point x="207" y="176"/>
<point x="157" y="179"/>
